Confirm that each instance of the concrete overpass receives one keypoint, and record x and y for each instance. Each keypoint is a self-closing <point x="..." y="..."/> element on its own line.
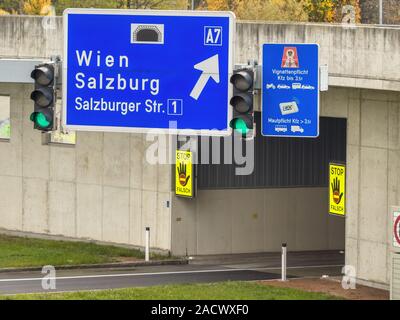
<point x="103" y="189"/>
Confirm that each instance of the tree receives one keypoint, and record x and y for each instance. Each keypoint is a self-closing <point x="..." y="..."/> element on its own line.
<point x="36" y="7"/>
<point x="61" y="5"/>
<point x="273" y="10"/>
<point x="11" y="6"/>
<point x="278" y="10"/>
<point x="330" y="10"/>
<point x="320" y="10"/>
<point x="139" y="4"/>
<point x="339" y="4"/>
<point x="173" y="4"/>
<point x="370" y="11"/>
<point x="391" y="9"/>
<point x="220" y="5"/>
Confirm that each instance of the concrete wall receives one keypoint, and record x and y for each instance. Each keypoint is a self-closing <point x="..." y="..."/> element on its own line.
<point x="373" y="179"/>
<point x="373" y="174"/>
<point x="359" y="57"/>
<point x="362" y="57"/>
<point x="102" y="188"/>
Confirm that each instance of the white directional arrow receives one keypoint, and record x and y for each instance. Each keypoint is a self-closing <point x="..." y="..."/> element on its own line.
<point x="210" y="68"/>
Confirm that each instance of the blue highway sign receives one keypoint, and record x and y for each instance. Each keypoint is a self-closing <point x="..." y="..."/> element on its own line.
<point x="147" y="71"/>
<point x="290" y="90"/>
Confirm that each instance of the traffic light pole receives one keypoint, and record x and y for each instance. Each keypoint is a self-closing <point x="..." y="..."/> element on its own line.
<point x="58" y="70"/>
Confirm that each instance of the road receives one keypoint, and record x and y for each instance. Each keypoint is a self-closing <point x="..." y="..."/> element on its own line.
<point x="210" y="269"/>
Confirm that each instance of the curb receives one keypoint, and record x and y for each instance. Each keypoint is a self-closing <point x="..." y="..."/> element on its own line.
<point x="102" y="265"/>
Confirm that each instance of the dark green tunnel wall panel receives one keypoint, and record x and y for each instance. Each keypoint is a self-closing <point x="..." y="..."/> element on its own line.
<point x="281" y="162"/>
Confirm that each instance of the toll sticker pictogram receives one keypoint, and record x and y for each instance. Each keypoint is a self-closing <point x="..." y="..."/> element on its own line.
<point x="290" y="58"/>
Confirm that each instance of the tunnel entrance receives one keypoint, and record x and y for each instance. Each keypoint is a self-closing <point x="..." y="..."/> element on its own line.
<point x="285" y="199"/>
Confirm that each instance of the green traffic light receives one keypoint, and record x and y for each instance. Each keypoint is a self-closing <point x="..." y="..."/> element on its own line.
<point x="40" y="120"/>
<point x="239" y="125"/>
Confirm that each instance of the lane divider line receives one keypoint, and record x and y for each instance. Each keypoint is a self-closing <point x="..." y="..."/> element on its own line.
<point x="161" y="273"/>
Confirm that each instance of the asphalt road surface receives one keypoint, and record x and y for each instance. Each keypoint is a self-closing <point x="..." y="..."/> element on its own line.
<point x="201" y="269"/>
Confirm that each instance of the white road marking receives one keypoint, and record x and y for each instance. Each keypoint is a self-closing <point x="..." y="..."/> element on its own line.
<point x="162" y="273"/>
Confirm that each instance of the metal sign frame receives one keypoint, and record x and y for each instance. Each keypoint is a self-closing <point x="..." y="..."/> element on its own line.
<point x="201" y="132"/>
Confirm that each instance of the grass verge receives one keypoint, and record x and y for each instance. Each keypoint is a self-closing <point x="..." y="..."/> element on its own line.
<point x="232" y="290"/>
<point x="16" y="252"/>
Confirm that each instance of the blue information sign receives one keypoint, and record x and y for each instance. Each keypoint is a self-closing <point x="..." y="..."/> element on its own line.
<point x="290" y="90"/>
<point x="141" y="71"/>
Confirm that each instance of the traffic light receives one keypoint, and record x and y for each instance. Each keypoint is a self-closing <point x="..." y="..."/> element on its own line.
<point x="44" y="96"/>
<point x="242" y="100"/>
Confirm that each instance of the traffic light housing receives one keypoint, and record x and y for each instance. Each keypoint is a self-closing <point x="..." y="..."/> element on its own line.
<point x="44" y="96"/>
<point x="242" y="100"/>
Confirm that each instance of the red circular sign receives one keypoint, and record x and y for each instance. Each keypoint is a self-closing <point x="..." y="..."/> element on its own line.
<point x="396" y="228"/>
